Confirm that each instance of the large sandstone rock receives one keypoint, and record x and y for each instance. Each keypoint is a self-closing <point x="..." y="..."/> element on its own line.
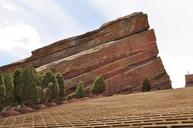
<point x="110" y="31"/>
<point x="123" y="51"/>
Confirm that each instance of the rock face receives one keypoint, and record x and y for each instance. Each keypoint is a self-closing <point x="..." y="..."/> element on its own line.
<point x="189" y="80"/>
<point x="124" y="51"/>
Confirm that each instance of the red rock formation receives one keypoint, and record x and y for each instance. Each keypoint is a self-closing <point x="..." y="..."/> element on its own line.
<point x="189" y="80"/>
<point x="110" y="31"/>
<point x="124" y="51"/>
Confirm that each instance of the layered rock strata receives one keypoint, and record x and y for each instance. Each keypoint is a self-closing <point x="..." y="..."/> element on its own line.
<point x="124" y="51"/>
<point x="117" y="29"/>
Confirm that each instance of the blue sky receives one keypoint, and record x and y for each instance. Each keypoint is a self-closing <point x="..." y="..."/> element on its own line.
<point x="26" y="25"/>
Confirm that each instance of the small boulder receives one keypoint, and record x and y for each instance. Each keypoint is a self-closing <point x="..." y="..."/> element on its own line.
<point x="51" y="104"/>
<point x="25" y="109"/>
<point x="39" y="106"/>
<point x="10" y="112"/>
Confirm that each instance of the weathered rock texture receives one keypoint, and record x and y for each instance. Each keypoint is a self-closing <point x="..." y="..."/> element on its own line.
<point x="189" y="80"/>
<point x="124" y="51"/>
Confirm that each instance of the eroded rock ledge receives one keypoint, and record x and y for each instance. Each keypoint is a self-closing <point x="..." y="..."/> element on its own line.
<point x="124" y="51"/>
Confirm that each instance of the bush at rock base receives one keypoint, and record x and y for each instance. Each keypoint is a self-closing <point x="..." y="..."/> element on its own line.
<point x="146" y="87"/>
<point x="80" y="90"/>
<point x="68" y="97"/>
<point x="98" y="85"/>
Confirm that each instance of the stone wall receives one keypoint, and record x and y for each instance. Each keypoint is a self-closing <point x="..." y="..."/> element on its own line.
<point x="124" y="51"/>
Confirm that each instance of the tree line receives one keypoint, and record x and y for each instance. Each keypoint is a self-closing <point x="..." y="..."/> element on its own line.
<point x="26" y="86"/>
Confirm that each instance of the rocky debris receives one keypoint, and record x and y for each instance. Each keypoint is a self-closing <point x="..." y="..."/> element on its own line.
<point x="51" y="104"/>
<point x="25" y="109"/>
<point x="123" y="51"/>
<point x="14" y="111"/>
<point x="39" y="106"/>
<point x="10" y="112"/>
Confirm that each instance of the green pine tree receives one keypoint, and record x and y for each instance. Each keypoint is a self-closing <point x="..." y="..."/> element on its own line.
<point x="98" y="85"/>
<point x="2" y="91"/>
<point x="51" y="83"/>
<point x="146" y="87"/>
<point x="39" y="94"/>
<point x="79" y="93"/>
<point x="61" y="85"/>
<point x="8" y="78"/>
<point x="18" y="85"/>
<point x="29" y="94"/>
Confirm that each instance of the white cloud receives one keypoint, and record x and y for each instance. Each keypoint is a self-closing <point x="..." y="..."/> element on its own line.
<point x="53" y="13"/>
<point x="8" y="6"/>
<point x="115" y="8"/>
<point x="23" y="23"/>
<point x="19" y="39"/>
